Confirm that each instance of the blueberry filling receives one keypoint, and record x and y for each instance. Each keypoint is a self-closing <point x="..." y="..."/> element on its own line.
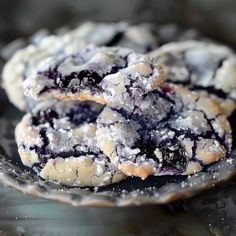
<point x="144" y="120"/>
<point x="210" y="89"/>
<point x="166" y="135"/>
<point x="77" y="115"/>
<point x="87" y="78"/>
<point x="43" y="117"/>
<point x="45" y="153"/>
<point x="82" y="114"/>
<point x="174" y="158"/>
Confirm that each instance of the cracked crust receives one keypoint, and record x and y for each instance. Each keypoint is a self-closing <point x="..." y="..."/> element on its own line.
<point x="25" y="61"/>
<point x="140" y="38"/>
<point x="105" y="75"/>
<point x="58" y="141"/>
<point x="205" y="67"/>
<point x="171" y="131"/>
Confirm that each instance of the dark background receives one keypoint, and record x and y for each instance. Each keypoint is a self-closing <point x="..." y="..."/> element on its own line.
<point x="210" y="213"/>
<point x="19" y="18"/>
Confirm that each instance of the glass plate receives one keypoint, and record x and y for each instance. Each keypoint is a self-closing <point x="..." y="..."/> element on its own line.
<point x="131" y="191"/>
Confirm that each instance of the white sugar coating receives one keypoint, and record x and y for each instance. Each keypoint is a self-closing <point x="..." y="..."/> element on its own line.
<point x="65" y="147"/>
<point x="24" y="61"/>
<point x="106" y="178"/>
<point x="171" y="131"/>
<point x="206" y="67"/>
<point x="107" y="75"/>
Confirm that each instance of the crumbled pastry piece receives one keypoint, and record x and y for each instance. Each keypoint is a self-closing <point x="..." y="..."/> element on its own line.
<point x="205" y="67"/>
<point x="106" y="75"/>
<point x="170" y="131"/>
<point x="58" y="141"/>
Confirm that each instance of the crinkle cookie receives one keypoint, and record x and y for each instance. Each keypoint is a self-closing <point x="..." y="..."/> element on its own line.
<point x="171" y="131"/>
<point x="58" y="141"/>
<point x="202" y="66"/>
<point x="106" y="75"/>
<point x="25" y="61"/>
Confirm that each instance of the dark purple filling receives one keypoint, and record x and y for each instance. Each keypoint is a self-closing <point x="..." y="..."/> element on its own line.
<point x="88" y="78"/>
<point x="174" y="152"/>
<point x="82" y="114"/>
<point x="149" y="48"/>
<point x="212" y="90"/>
<point x="120" y="36"/>
<point x="77" y="115"/>
<point x="43" y="117"/>
<point x="44" y="153"/>
<point x="209" y="89"/>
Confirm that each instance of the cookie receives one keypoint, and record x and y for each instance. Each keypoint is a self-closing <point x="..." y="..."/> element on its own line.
<point x="26" y="60"/>
<point x="58" y="141"/>
<point x="205" y="67"/>
<point x="106" y="75"/>
<point x="171" y="131"/>
<point x="141" y="37"/>
<point x="167" y="33"/>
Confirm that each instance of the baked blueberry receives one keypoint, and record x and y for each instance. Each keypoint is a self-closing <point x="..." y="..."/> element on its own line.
<point x="170" y="131"/>
<point x="58" y="141"/>
<point x="205" y="67"/>
<point x="107" y="75"/>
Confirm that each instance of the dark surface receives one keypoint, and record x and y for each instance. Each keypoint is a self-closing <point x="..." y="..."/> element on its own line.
<point x="211" y="213"/>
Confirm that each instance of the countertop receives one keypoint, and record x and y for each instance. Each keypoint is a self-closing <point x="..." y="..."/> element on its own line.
<point x="210" y="213"/>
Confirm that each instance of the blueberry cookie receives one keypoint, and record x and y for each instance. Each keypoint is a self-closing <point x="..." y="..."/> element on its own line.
<point x="171" y="131"/>
<point x="58" y="141"/>
<point x="141" y="38"/>
<point x="25" y="61"/>
<point x="172" y="33"/>
<point x="202" y="66"/>
<point x="106" y="75"/>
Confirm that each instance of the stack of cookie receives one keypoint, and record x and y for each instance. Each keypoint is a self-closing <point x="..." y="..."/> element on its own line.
<point x="99" y="110"/>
